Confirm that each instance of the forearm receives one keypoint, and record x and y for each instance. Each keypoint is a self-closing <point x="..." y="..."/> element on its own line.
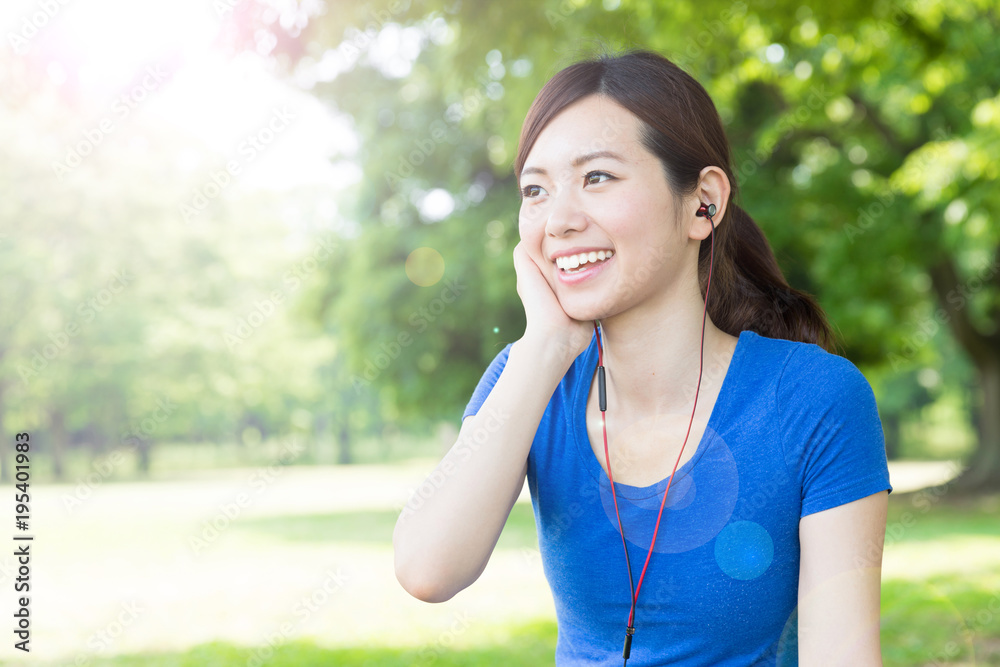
<point x="446" y="533"/>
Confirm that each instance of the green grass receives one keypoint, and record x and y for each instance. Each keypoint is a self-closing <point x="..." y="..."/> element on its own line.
<point x="943" y="605"/>
<point x="948" y="619"/>
<point x="527" y="644"/>
<point x="951" y="618"/>
<point x="940" y="594"/>
<point x="373" y="527"/>
<point x="934" y="515"/>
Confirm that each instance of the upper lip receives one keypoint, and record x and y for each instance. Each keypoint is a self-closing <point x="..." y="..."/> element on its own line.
<point x="576" y="251"/>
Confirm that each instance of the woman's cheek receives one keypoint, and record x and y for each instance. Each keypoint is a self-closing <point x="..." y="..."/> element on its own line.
<point x="523" y="225"/>
<point x="531" y="217"/>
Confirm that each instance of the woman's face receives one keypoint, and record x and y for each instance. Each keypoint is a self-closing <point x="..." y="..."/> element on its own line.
<point x="591" y="190"/>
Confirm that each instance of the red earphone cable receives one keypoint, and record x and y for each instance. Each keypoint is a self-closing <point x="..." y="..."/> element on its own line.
<point x="607" y="456"/>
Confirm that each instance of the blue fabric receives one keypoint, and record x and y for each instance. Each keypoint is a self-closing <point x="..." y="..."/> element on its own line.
<point x="795" y="430"/>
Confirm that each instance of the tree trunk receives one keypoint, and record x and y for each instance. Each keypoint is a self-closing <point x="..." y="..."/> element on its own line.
<point x="57" y="432"/>
<point x="982" y="474"/>
<point x="344" y="445"/>
<point x="890" y="428"/>
<point x="142" y="456"/>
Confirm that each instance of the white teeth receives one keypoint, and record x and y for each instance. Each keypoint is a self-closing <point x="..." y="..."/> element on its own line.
<point x="571" y="262"/>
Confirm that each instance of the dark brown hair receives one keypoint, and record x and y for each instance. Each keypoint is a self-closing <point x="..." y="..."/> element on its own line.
<point x="681" y="126"/>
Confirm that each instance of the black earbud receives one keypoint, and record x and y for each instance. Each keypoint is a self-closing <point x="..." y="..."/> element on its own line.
<point x="704" y="210"/>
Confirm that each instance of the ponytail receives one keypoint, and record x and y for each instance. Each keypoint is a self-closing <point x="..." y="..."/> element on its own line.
<point x="749" y="290"/>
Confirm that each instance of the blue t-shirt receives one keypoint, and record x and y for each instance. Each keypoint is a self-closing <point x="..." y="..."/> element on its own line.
<point x="795" y="430"/>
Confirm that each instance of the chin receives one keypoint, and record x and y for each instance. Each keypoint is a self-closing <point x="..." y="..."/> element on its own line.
<point x="585" y="311"/>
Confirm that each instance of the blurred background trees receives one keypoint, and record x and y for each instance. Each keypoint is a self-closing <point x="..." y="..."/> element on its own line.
<point x="863" y="134"/>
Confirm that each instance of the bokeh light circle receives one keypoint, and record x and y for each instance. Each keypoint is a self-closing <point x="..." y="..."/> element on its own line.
<point x="744" y="550"/>
<point x="425" y="267"/>
<point x="694" y="518"/>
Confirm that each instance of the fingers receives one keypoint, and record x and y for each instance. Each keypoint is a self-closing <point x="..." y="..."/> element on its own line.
<point x="544" y="313"/>
<point x="532" y="287"/>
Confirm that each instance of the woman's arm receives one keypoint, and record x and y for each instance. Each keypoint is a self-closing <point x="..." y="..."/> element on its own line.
<point x="446" y="533"/>
<point x="840" y="576"/>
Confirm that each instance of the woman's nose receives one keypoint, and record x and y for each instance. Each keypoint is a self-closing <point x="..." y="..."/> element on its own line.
<point x="565" y="214"/>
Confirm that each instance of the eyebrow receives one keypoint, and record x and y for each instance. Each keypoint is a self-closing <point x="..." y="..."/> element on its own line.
<point x="581" y="159"/>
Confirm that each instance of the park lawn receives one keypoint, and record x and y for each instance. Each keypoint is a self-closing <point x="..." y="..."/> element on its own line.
<point x="525" y="644"/>
<point x="940" y="600"/>
<point x="941" y="581"/>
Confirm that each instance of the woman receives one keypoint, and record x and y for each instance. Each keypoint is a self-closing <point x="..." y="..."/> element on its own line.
<point x="744" y="453"/>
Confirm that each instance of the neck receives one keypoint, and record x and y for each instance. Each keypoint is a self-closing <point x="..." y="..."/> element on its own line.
<point x="652" y="358"/>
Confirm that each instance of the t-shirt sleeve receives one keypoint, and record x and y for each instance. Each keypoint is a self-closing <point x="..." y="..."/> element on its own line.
<point x="487" y="382"/>
<point x="830" y="429"/>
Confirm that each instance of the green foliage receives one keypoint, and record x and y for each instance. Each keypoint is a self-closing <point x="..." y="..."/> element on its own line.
<point x="862" y="134"/>
<point x="864" y="137"/>
<point x="126" y="322"/>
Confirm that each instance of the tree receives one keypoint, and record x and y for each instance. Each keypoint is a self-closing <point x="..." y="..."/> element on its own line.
<point x="126" y="322"/>
<point x="874" y="124"/>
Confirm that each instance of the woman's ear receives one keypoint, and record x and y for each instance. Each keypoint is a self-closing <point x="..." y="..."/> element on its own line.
<point x="713" y="188"/>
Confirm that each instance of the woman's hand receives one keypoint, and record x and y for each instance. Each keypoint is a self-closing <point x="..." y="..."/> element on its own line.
<point x="547" y="322"/>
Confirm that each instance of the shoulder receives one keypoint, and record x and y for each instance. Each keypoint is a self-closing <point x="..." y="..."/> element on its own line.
<point x="828" y="425"/>
<point x="487" y="381"/>
<point x="821" y="400"/>
<point x="806" y="371"/>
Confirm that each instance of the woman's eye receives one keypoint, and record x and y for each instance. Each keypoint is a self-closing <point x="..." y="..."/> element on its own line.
<point x="529" y="191"/>
<point x="596" y="174"/>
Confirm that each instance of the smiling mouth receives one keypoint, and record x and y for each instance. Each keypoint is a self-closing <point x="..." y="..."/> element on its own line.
<point x="582" y="261"/>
